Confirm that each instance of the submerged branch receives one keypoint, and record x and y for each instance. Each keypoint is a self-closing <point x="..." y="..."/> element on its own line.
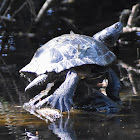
<point x="130" y="26"/>
<point x="128" y="67"/>
<point x="32" y="8"/>
<point x="131" y="29"/>
<point x="129" y="70"/>
<point x="133" y="15"/>
<point x="42" y="10"/>
<point x="8" y="8"/>
<point x="20" y="8"/>
<point x="7" y="88"/>
<point x="7" y="18"/>
<point x="3" y="4"/>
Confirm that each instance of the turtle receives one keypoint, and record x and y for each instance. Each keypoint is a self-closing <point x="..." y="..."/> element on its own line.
<point x="74" y="57"/>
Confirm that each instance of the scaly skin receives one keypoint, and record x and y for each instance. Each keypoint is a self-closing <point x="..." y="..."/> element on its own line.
<point x="72" y="50"/>
<point x="62" y="97"/>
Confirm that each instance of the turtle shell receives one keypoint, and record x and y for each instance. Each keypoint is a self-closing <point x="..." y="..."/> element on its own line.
<point x="67" y="51"/>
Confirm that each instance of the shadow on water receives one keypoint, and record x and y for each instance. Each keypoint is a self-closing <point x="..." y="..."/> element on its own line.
<point x="20" y="36"/>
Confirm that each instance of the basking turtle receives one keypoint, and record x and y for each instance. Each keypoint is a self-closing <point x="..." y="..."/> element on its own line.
<point x="74" y="56"/>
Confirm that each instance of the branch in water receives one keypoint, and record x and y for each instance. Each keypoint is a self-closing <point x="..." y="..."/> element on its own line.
<point x="42" y="10"/>
<point x="133" y="15"/>
<point x="7" y="18"/>
<point x="130" y="26"/>
<point x="129" y="70"/>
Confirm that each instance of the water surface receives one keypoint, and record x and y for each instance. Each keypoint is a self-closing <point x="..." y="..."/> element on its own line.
<point x="16" y="124"/>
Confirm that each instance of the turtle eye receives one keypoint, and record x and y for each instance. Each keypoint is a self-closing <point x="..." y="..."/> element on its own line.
<point x="116" y="26"/>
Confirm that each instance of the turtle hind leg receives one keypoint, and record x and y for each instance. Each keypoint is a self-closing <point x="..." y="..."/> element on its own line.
<point x="113" y="87"/>
<point x="62" y="97"/>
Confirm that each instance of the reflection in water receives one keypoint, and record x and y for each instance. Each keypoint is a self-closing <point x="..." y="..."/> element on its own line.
<point x="31" y="136"/>
<point x="17" y="124"/>
<point x="63" y="128"/>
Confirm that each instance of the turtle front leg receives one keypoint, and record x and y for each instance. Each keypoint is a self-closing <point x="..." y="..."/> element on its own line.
<point x="62" y="97"/>
<point x="113" y="86"/>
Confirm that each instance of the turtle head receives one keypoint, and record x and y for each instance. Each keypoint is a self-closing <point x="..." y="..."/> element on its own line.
<point x="110" y="34"/>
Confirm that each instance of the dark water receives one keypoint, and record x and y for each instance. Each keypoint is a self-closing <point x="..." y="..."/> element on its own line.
<point x="17" y="124"/>
<point x="17" y="47"/>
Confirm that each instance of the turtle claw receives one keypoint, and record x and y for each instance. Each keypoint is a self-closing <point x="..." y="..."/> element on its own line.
<point x="62" y="97"/>
<point x="63" y="103"/>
